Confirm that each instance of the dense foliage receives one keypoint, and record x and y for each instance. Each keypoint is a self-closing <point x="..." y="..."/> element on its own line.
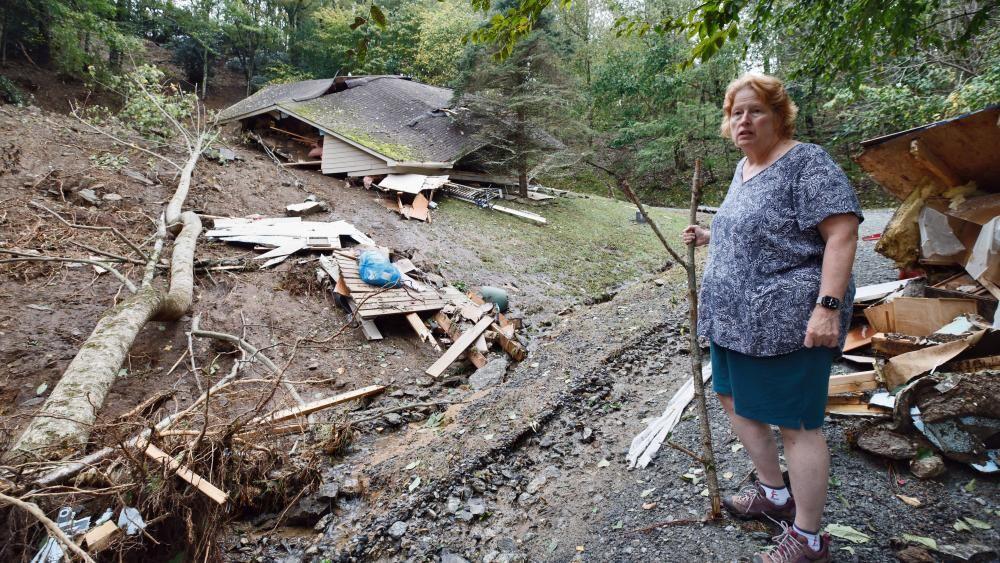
<point x="635" y="88"/>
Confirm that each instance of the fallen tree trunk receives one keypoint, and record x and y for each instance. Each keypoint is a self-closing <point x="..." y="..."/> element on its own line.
<point x="65" y="420"/>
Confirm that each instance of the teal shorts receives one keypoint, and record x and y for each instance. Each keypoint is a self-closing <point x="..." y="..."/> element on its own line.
<point x="788" y="390"/>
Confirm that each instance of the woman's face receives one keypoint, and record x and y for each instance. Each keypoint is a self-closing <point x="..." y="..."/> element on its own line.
<point x="752" y="123"/>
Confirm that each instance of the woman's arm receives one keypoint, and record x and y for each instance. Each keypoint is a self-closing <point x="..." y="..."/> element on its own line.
<point x="841" y="235"/>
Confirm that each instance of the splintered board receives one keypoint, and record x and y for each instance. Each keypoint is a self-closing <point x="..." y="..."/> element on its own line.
<point x="375" y="301"/>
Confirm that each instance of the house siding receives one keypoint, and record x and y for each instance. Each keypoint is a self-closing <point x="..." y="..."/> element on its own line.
<point x="340" y="157"/>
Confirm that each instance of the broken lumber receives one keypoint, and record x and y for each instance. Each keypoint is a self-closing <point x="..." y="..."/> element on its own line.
<point x="645" y="445"/>
<point x="526" y="215"/>
<point x="210" y="490"/>
<point x="309" y="408"/>
<point x="464" y="341"/>
<point x="445" y="325"/>
<point x="852" y="382"/>
<point x="859" y="410"/>
<point x="974" y="364"/>
<point x="421" y="329"/>
<point x="99" y="538"/>
<point x="509" y="345"/>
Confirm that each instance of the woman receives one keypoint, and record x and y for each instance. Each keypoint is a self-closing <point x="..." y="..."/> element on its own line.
<point x="775" y="303"/>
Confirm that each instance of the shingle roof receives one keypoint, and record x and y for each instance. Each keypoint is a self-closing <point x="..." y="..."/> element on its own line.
<point x="393" y="116"/>
<point x="272" y="95"/>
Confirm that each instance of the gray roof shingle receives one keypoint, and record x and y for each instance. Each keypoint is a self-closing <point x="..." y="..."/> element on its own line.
<point x="270" y="96"/>
<point x="391" y="115"/>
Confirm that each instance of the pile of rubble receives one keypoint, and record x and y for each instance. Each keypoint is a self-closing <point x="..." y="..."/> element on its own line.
<point x="933" y="339"/>
<point x="438" y="313"/>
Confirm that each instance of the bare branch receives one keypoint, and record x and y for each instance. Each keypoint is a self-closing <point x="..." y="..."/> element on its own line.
<point x="115" y="231"/>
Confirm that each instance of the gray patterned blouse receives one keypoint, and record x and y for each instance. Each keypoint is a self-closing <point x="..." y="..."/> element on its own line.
<point x="766" y="253"/>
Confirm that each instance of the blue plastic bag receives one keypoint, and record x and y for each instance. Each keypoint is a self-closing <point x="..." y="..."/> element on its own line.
<point x="376" y="269"/>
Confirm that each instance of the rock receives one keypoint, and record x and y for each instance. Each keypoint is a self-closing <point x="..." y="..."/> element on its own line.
<point x="587" y="435"/>
<point x="449" y="557"/>
<point x="886" y="443"/>
<point x="489" y="375"/>
<point x="424" y="381"/>
<point x="535" y="484"/>
<point x="507" y="545"/>
<point x="477" y="506"/>
<point x="453" y="504"/>
<point x="968" y="552"/>
<point x="914" y="554"/>
<point x="112" y="197"/>
<point x="464" y="515"/>
<point x="398" y="529"/>
<point x="351" y="486"/>
<point x="927" y="467"/>
<point x="328" y="491"/>
<point x="88" y="196"/>
<point x="323" y="522"/>
<point x="313" y="364"/>
<point x="393" y="419"/>
<point x="307" y="511"/>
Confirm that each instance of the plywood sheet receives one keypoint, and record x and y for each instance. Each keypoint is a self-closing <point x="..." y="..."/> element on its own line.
<point x="917" y="316"/>
<point x="966" y="144"/>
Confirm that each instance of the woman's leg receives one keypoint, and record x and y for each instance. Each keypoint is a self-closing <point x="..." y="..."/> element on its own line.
<point x="758" y="439"/>
<point x="809" y="471"/>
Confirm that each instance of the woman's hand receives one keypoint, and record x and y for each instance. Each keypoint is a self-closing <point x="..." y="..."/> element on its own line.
<point x="700" y="235"/>
<point x="823" y="329"/>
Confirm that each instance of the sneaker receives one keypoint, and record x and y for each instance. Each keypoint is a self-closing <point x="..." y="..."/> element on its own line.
<point x="793" y="548"/>
<point x="752" y="503"/>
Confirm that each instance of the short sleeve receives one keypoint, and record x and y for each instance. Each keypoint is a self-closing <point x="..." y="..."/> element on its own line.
<point x="823" y="190"/>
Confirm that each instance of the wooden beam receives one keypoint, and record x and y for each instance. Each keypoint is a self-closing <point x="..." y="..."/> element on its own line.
<point x="368" y="327"/>
<point x="422" y="331"/>
<point x="309" y="408"/>
<point x="444" y="323"/>
<point x="99" y="538"/>
<point x="459" y="346"/>
<point x="210" y="490"/>
<point x="526" y="215"/>
<point x="852" y="383"/>
<point x="509" y="345"/>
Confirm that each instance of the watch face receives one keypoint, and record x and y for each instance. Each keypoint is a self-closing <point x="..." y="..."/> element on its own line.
<point x="831" y="302"/>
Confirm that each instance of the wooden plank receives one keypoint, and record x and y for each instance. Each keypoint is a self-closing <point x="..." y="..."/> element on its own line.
<point x="526" y="215"/>
<point x="419" y="209"/>
<point x="397" y="310"/>
<point x="309" y="408"/>
<point x="852" y="383"/>
<point x="444" y="323"/>
<point x="917" y="316"/>
<point x="858" y="410"/>
<point x="422" y="331"/>
<point x="210" y="490"/>
<point x="459" y="346"/>
<point x="509" y="345"/>
<point x="368" y="327"/>
<point x="847" y="399"/>
<point x="858" y="337"/>
<point x="99" y="538"/>
<point x="302" y="163"/>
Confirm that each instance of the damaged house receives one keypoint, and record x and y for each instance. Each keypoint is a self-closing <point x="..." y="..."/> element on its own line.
<point x="362" y="126"/>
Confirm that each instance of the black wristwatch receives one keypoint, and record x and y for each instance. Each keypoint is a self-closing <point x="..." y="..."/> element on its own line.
<point x="829" y="302"/>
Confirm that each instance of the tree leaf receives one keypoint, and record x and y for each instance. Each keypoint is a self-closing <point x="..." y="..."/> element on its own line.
<point x="847" y="533"/>
<point x="961" y="526"/>
<point x="924" y="541"/>
<point x="912" y="501"/>
<point x="978" y="524"/>
<point x="970" y="486"/>
<point x="378" y="16"/>
<point x="414" y="484"/>
<point x="358" y="22"/>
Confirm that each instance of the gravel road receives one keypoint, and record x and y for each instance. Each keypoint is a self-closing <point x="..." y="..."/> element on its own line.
<point x="869" y="266"/>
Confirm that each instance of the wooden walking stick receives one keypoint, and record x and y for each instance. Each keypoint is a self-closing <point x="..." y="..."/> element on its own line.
<point x="707" y="458"/>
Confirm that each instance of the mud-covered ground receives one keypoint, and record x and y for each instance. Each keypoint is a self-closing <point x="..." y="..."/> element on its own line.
<point x="530" y="468"/>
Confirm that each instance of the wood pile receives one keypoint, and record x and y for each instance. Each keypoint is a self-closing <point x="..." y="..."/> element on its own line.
<point x="465" y="323"/>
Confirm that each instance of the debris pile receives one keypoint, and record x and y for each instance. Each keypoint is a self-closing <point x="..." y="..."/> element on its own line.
<point x="932" y="340"/>
<point x="465" y="321"/>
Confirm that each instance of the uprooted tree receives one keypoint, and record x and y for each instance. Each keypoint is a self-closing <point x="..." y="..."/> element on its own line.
<point x="67" y="416"/>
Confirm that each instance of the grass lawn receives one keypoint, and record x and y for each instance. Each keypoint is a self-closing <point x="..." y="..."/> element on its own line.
<point x="589" y="246"/>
